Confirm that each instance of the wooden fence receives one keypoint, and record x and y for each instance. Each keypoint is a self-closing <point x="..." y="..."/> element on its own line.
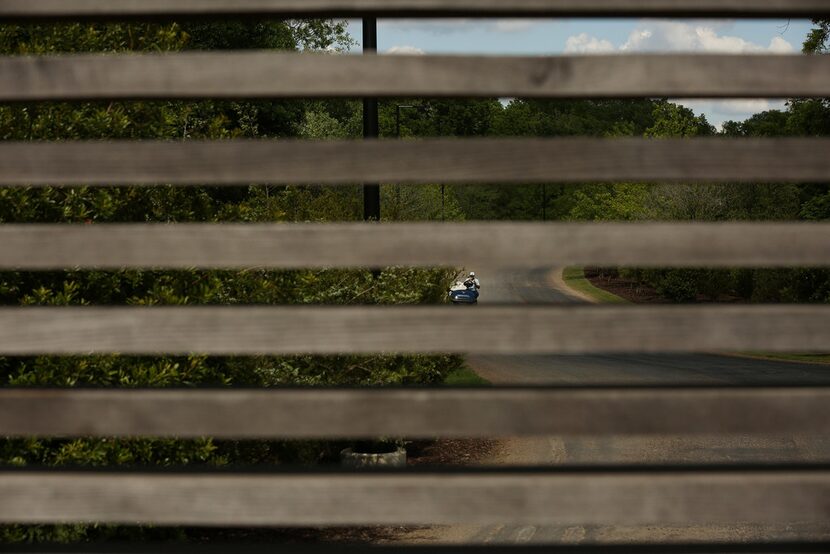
<point x="566" y="496"/>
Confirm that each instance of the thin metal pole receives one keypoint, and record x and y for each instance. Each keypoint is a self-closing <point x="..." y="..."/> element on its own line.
<point x="544" y="202"/>
<point x="443" y="213"/>
<point x="371" y="126"/>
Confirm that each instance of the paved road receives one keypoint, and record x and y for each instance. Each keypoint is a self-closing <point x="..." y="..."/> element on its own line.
<point x="535" y="287"/>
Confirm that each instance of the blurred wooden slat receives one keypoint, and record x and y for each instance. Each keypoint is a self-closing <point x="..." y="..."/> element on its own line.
<point x="424" y="161"/>
<point x="803" y="545"/>
<point x="73" y="9"/>
<point x="509" y="245"/>
<point x="273" y="75"/>
<point x="503" y="498"/>
<point x="414" y="329"/>
<point x="368" y="414"/>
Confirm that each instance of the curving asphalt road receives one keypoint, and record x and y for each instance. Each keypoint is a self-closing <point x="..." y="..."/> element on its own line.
<point x="537" y="287"/>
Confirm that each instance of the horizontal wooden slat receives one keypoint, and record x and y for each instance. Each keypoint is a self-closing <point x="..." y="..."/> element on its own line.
<point x="272" y="75"/>
<point x="449" y="161"/>
<point x="327" y="414"/>
<point x="563" y="498"/>
<point x="417" y="245"/>
<point x="760" y="546"/>
<point x="413" y="329"/>
<point x="34" y="9"/>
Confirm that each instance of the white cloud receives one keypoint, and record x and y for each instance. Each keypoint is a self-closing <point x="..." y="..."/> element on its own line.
<point x="780" y="46"/>
<point x="584" y="43"/>
<point x="671" y="36"/>
<point x="637" y="39"/>
<point x="408" y="50"/>
<point x="684" y="37"/>
<point x="720" y="111"/>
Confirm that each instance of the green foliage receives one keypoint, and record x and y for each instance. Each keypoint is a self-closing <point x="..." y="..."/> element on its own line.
<point x="553" y="118"/>
<point x="817" y="208"/>
<point x="803" y="117"/>
<point x="741" y="202"/>
<point x="421" y="203"/>
<point x="622" y="202"/>
<point x="687" y="285"/>
<point x="773" y="123"/>
<point x="436" y="117"/>
<point x="631" y="201"/>
<point x="818" y="41"/>
<point x="675" y="121"/>
<point x="186" y="121"/>
<point x="677" y="284"/>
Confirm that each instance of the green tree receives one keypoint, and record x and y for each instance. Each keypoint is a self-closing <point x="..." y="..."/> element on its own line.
<point x="818" y="41"/>
<point x="676" y="121"/>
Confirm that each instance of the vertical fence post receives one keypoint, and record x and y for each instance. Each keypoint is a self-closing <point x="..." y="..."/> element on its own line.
<point x="371" y="127"/>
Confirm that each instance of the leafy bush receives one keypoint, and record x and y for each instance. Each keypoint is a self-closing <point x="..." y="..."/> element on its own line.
<point x="184" y="121"/>
<point x="678" y="285"/>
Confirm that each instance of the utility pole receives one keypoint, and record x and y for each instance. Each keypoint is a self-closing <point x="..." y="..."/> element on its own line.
<point x="371" y="127"/>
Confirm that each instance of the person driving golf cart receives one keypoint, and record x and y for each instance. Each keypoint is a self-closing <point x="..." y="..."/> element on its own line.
<point x="472" y="281"/>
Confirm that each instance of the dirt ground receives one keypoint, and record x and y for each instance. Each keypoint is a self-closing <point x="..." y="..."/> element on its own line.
<point x="451" y="452"/>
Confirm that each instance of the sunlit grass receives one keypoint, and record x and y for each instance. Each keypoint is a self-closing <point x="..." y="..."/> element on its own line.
<point x="575" y="278"/>
<point x="465" y="377"/>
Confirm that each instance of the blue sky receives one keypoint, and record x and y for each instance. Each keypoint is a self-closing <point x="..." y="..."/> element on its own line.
<point x="585" y="36"/>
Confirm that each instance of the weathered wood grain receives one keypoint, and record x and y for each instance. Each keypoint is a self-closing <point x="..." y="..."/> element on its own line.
<point x="413" y="329"/>
<point x="427" y="414"/>
<point x="34" y="9"/>
<point x="503" y="498"/>
<point x="809" y="542"/>
<point x="814" y="543"/>
<point x="509" y="245"/>
<point x="273" y="75"/>
<point x="562" y="160"/>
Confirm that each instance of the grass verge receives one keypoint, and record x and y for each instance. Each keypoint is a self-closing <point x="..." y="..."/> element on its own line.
<point x="574" y="277"/>
<point x="465" y="377"/>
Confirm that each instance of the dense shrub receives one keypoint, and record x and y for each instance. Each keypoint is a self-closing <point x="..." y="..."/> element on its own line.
<point x="82" y="205"/>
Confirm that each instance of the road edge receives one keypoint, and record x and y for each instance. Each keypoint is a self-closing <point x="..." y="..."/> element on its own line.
<point x="558" y="280"/>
